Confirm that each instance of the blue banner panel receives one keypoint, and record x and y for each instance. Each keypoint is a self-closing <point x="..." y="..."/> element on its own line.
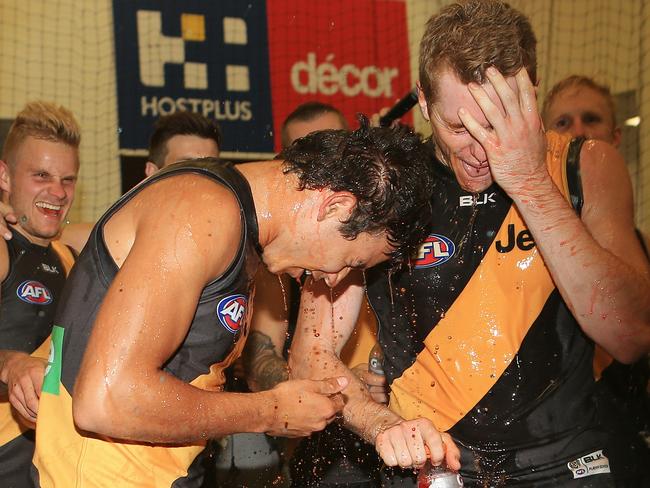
<point x="203" y="56"/>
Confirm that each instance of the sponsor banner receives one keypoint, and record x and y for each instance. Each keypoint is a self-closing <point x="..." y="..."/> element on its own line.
<point x="249" y="64"/>
<point x="352" y="55"/>
<point x="206" y="57"/>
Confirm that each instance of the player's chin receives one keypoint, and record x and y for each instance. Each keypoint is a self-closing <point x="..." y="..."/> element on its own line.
<point x="48" y="232"/>
<point x="476" y="184"/>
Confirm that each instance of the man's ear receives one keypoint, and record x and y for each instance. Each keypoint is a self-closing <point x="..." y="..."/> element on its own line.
<point x="422" y="102"/>
<point x="150" y="168"/>
<point x="338" y="204"/>
<point x="5" y="178"/>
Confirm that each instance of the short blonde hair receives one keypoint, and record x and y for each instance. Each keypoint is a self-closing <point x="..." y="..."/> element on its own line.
<point x="42" y="120"/>
<point x="470" y="36"/>
<point x="575" y="81"/>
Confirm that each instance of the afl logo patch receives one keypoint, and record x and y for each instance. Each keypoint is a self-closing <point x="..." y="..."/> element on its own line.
<point x="434" y="251"/>
<point x="231" y="311"/>
<point x="34" y="292"/>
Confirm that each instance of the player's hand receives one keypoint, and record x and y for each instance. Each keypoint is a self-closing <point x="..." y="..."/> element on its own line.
<point x="23" y="376"/>
<point x="514" y="143"/>
<point x="305" y="406"/>
<point x="374" y="118"/>
<point x="376" y="383"/>
<point x="7" y="216"/>
<point x="407" y="442"/>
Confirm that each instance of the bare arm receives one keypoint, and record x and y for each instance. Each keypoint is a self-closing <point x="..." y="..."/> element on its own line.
<point x="323" y="328"/>
<point x="263" y="360"/>
<point x="596" y="263"/>
<point x="122" y="390"/>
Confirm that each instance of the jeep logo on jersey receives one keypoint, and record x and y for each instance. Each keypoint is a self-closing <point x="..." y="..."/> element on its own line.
<point x="231" y="311"/>
<point x="434" y="251"/>
<point x="34" y="292"/>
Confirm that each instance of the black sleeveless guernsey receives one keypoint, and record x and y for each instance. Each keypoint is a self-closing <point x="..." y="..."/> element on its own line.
<point x="30" y="293"/>
<point x="65" y="457"/>
<point x="477" y="338"/>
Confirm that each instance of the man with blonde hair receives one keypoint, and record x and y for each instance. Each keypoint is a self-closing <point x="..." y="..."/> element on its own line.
<point x="582" y="107"/>
<point x="38" y="173"/>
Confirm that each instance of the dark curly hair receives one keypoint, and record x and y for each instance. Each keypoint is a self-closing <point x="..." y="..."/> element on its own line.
<point x="388" y="170"/>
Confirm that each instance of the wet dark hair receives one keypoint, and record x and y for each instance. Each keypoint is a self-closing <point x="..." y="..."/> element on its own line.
<point x="180" y="123"/>
<point x="387" y="169"/>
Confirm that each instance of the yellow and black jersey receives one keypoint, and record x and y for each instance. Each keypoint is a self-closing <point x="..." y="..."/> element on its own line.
<point x="477" y="338"/>
<point x="30" y="294"/>
<point x="66" y="457"/>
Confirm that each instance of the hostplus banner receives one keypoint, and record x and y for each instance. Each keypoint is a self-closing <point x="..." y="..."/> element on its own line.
<point x="248" y="64"/>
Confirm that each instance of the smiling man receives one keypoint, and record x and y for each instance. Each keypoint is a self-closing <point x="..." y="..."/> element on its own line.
<point x="159" y="300"/>
<point x="530" y="262"/>
<point x="38" y="173"/>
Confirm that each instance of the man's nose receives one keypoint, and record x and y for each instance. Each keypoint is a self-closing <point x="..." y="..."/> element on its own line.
<point x="333" y="279"/>
<point x="577" y="128"/>
<point x="478" y="152"/>
<point x="57" y="189"/>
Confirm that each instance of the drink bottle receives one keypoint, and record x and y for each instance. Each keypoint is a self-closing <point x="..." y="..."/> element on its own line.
<point x="431" y="476"/>
<point x="376" y="360"/>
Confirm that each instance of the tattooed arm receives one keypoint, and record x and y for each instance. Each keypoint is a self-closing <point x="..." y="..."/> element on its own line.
<point x="264" y="365"/>
<point x="263" y="361"/>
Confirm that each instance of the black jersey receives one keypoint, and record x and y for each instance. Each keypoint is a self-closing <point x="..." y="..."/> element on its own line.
<point x="30" y="294"/>
<point x="214" y="339"/>
<point x="478" y="339"/>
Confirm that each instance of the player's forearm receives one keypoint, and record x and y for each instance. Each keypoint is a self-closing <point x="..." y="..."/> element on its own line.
<point x="361" y="413"/>
<point x="264" y="366"/>
<point x="167" y="410"/>
<point x="608" y="297"/>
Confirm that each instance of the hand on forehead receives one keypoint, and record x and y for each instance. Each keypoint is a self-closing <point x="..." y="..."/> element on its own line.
<point x="491" y="89"/>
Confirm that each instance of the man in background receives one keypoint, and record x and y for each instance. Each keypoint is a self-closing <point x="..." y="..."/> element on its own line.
<point x="176" y="137"/>
<point x="579" y="106"/>
<point x="582" y="107"/>
<point x="180" y="136"/>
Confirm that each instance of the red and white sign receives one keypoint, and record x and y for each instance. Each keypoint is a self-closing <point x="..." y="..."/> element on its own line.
<point x="351" y="54"/>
